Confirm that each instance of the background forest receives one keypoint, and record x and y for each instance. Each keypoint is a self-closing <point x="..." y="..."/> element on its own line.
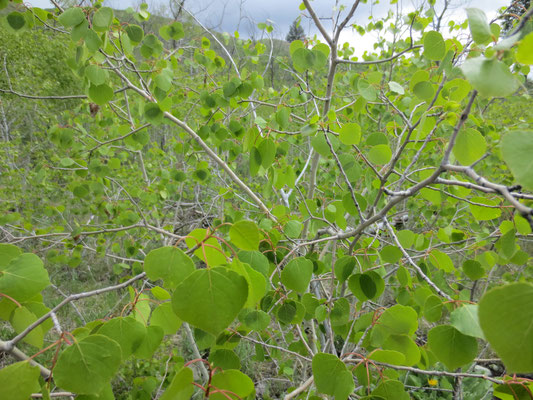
<point x="187" y="213"/>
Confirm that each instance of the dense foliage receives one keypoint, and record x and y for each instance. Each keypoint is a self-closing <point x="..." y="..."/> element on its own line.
<point x="188" y="214"/>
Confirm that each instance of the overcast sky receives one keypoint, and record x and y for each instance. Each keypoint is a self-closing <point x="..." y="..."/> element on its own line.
<point x="243" y="15"/>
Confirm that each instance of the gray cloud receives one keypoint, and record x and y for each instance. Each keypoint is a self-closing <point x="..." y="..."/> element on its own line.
<point x="243" y="15"/>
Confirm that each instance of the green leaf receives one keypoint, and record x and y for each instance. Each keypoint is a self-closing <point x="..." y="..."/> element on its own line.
<point x="434" y="46"/>
<point x="87" y="365"/>
<point x="506" y="318"/>
<point x="287" y="311"/>
<point x="388" y="356"/>
<point x="524" y="54"/>
<point x="170" y="264"/>
<point x="256" y="320"/>
<point x="489" y="77"/>
<point x="181" y="387"/>
<point x="256" y="260"/>
<point x="96" y="75"/>
<point x="405" y="345"/>
<point x="151" y="342"/>
<point x="102" y="19"/>
<point x="406" y="238"/>
<point x="465" y="320"/>
<point x="24" y="277"/>
<point x="451" y="347"/>
<point x="350" y="133"/>
<point x="21" y="319"/>
<point x="100" y="94"/>
<point x="135" y="33"/>
<point x="19" y="380"/>
<point x="485" y="213"/>
<point x="16" y="20"/>
<point x="297" y="274"/>
<point x="210" y="299"/>
<point x="517" y="148"/>
<point x="92" y="40"/>
<point x="231" y="381"/>
<point x="479" y="26"/>
<point x="469" y="147"/>
<point x="396" y="87"/>
<point x="303" y="59"/>
<point x="293" y="229"/>
<point x="473" y="269"/>
<point x="210" y="251"/>
<point x="245" y="235"/>
<point x="151" y="46"/>
<point x="507" y="244"/>
<point x="225" y="359"/>
<point x="433" y="308"/>
<point x="72" y="17"/>
<point x="267" y="150"/>
<point x="340" y="313"/>
<point x="164" y="317"/>
<point x="366" y="90"/>
<point x="399" y="320"/>
<point x="7" y="253"/>
<point x="344" y="267"/>
<point x="441" y="260"/>
<point x="380" y="154"/>
<point x="127" y="332"/>
<point x="424" y="90"/>
<point x="173" y="31"/>
<point x="391" y="390"/>
<point x="163" y="81"/>
<point x="366" y="286"/>
<point x="256" y="282"/>
<point x="153" y="113"/>
<point x="331" y="376"/>
<point x="282" y="117"/>
<point x="390" y="254"/>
